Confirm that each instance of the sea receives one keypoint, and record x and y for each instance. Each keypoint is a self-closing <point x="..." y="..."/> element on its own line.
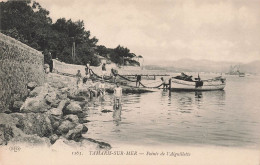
<point x="226" y="118"/>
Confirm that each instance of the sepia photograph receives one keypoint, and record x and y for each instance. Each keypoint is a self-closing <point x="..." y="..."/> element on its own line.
<point x="129" y="82"/>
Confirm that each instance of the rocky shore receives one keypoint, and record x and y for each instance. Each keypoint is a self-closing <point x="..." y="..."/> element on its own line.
<point x="53" y="114"/>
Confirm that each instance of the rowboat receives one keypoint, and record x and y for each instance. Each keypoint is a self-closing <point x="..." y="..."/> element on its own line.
<point x="184" y="83"/>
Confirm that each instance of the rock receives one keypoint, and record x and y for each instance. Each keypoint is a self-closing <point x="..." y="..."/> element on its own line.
<point x="6" y="134"/>
<point x="16" y="106"/>
<point x="72" y="118"/>
<point x="36" y="91"/>
<point x="31" y="85"/>
<point x="76" y="98"/>
<point x="61" y="96"/>
<point x="65" y="126"/>
<point x="28" y="140"/>
<point x="16" y="127"/>
<point x="106" y="111"/>
<point x="58" y="111"/>
<point x="58" y="84"/>
<point x="34" y="123"/>
<point x="53" y="138"/>
<point x="35" y="105"/>
<point x="55" y="112"/>
<point x="85" y="129"/>
<point x="82" y="115"/>
<point x="51" y="98"/>
<point x="7" y="111"/>
<point x="63" y="144"/>
<point x="75" y="133"/>
<point x="72" y="108"/>
<point x="83" y="120"/>
<point x="55" y="122"/>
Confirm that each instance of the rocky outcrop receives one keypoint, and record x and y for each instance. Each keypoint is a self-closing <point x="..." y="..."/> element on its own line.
<point x="72" y="108"/>
<point x="51" y="114"/>
<point x="65" y="126"/>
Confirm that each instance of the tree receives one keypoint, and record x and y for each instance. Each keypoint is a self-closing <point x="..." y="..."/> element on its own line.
<point x="29" y="23"/>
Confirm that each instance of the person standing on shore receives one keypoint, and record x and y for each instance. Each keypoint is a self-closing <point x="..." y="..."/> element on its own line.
<point x="117" y="95"/>
<point x="87" y="74"/>
<point x="101" y="88"/>
<point x="78" y="76"/>
<point x="164" y="82"/>
<point x="104" y="70"/>
<point x="138" y="80"/>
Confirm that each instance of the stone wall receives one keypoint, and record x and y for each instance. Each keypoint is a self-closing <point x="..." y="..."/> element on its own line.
<point x="19" y="65"/>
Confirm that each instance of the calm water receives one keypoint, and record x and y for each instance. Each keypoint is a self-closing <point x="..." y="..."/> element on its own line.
<point x="220" y="118"/>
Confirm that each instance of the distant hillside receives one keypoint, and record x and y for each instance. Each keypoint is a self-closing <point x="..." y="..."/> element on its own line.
<point x="186" y="65"/>
<point x="253" y="67"/>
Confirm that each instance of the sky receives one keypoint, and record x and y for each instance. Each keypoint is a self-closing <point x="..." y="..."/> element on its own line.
<point x="166" y="30"/>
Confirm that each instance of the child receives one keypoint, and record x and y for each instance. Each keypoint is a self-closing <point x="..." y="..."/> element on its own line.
<point x="117" y="95"/>
<point x="102" y="88"/>
<point x="78" y="76"/>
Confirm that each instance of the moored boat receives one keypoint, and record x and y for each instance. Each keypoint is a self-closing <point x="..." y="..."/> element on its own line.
<point x="185" y="83"/>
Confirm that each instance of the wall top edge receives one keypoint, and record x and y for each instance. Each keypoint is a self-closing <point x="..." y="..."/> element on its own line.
<point x="14" y="42"/>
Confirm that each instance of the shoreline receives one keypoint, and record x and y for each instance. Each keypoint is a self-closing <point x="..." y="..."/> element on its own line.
<point x="54" y="112"/>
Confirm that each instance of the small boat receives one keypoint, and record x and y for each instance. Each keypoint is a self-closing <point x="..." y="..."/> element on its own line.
<point x="241" y="74"/>
<point x="185" y="83"/>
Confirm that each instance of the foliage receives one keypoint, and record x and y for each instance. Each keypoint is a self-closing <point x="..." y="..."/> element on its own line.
<point x="29" y="23"/>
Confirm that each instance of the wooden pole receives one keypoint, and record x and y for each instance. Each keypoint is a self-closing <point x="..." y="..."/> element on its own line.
<point x="74" y="50"/>
<point x="170" y="86"/>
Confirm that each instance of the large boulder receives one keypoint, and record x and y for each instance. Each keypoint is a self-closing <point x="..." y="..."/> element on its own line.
<point x="27" y="140"/>
<point x="15" y="129"/>
<point x="55" y="121"/>
<point x="34" y="123"/>
<point x="65" y="126"/>
<point x="72" y="108"/>
<point x="36" y="91"/>
<point x="35" y="104"/>
<point x="6" y="134"/>
<point x="53" y="138"/>
<point x="55" y="112"/>
<point x="31" y="85"/>
<point x="16" y="106"/>
<point x="72" y="118"/>
<point x="76" y="133"/>
<point x="51" y="99"/>
<point x="58" y="111"/>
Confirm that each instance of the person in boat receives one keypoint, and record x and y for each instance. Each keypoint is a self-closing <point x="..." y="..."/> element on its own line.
<point x="117" y="95"/>
<point x="78" y="76"/>
<point x="138" y="80"/>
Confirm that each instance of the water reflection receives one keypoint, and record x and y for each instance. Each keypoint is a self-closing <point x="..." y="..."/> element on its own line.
<point x="208" y="117"/>
<point x="198" y="95"/>
<point x="185" y="102"/>
<point x="117" y="114"/>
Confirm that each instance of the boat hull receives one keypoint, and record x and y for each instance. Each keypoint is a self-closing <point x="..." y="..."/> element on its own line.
<point x="181" y="85"/>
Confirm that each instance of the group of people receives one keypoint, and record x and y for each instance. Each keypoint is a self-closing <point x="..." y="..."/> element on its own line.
<point x="95" y="88"/>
